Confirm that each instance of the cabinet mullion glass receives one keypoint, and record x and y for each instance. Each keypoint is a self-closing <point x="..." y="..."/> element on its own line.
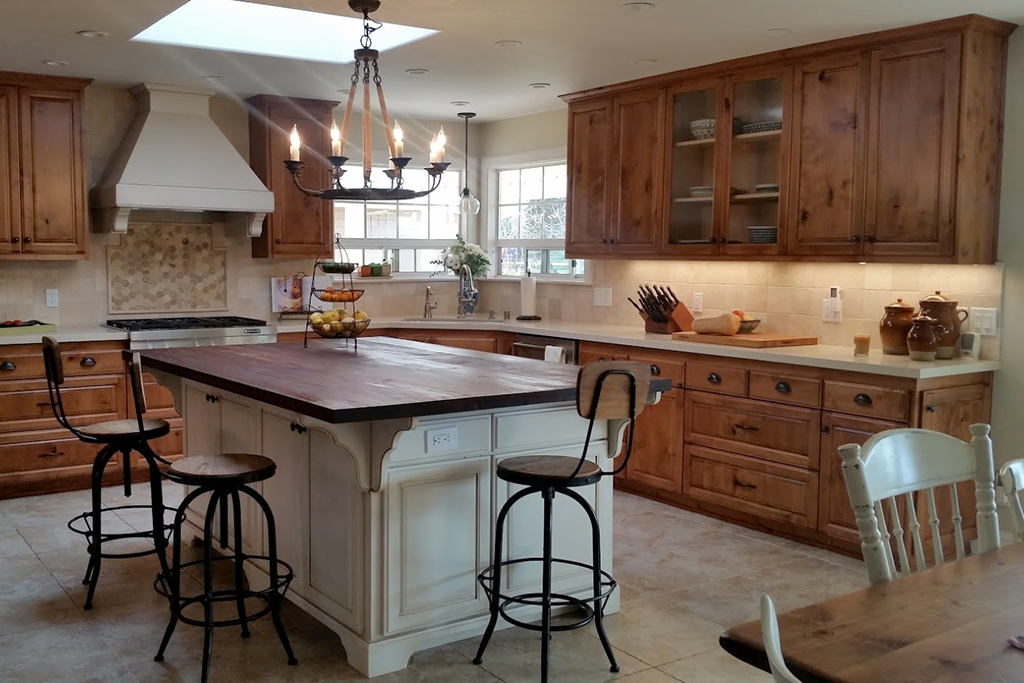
<point x="692" y="190"/>
<point x="755" y="164"/>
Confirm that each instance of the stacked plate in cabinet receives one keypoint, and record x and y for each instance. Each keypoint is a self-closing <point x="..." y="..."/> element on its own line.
<point x="762" y="234"/>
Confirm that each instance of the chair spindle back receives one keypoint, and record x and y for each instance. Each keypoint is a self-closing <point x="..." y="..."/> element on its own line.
<point x="901" y="480"/>
<point x="54" y="367"/>
<point x="1011" y="475"/>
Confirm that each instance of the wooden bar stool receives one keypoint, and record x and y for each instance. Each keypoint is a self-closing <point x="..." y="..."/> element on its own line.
<point x="607" y="390"/>
<point x="224" y="476"/>
<point x="115" y="436"/>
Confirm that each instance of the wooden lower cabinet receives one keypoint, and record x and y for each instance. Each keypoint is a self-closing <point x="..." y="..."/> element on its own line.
<point x="472" y="340"/>
<point x="658" y="447"/>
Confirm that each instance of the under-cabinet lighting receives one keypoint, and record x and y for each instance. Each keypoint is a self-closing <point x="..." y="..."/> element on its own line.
<point x="248" y="27"/>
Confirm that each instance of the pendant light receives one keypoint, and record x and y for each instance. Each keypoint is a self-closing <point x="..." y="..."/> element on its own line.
<point x="470" y="205"/>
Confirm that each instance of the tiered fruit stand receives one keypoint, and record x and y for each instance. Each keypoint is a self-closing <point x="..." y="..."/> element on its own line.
<point x="335" y="323"/>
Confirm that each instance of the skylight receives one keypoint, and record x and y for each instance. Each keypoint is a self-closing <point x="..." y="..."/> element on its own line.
<point x="234" y="26"/>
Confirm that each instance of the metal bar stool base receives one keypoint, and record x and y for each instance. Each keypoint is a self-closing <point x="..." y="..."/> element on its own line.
<point x="82" y="525"/>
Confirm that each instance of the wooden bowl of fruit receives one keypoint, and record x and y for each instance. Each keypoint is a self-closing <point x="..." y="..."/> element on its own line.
<point x="747" y="323"/>
<point x="336" y="324"/>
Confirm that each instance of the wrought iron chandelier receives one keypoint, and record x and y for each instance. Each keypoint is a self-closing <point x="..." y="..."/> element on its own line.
<point x="365" y="59"/>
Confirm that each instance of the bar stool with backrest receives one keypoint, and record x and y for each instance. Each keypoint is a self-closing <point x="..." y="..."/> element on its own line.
<point x="224" y="477"/>
<point x="114" y="437"/>
<point x="908" y="475"/>
<point x="607" y="390"/>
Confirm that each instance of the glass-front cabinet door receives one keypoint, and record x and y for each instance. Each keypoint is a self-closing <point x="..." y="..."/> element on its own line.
<point x="694" y="118"/>
<point x="757" y="157"/>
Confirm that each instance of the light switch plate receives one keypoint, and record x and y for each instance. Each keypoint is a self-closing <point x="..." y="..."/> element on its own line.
<point x="984" y="320"/>
<point x="698" y="303"/>
<point x="832" y="310"/>
<point x="52" y="298"/>
<point x="602" y="296"/>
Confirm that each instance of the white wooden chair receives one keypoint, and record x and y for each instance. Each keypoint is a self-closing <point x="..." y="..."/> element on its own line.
<point x="1012" y="477"/>
<point x="898" y="466"/>
<point x="772" y="643"/>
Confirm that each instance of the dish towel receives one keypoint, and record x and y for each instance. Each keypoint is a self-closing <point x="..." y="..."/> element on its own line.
<point x="554" y="354"/>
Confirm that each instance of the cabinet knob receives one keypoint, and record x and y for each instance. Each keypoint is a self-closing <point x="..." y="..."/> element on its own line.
<point x="655" y="370"/>
<point x="27" y="240"/>
<point x="277" y="241"/>
<point x="714" y="378"/>
<point x="783" y="388"/>
<point x="87" y="362"/>
<point x="211" y="398"/>
<point x="855" y="238"/>
<point x="825" y="429"/>
<point x="930" y="409"/>
<point x="822" y="76"/>
<point x="862" y="400"/>
<point x="298" y="428"/>
<point x="15" y="240"/>
<point x="870" y="239"/>
<point x="8" y="366"/>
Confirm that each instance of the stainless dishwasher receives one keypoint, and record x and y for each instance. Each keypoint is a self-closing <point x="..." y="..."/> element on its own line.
<point x="531" y="346"/>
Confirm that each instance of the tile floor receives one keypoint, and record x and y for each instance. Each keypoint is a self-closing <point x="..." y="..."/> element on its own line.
<point x="684" y="579"/>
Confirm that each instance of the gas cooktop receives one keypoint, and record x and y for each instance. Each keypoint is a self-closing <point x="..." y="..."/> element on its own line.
<point x="186" y="323"/>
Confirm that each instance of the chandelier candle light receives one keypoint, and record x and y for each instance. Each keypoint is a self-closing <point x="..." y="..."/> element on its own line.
<point x="365" y="58"/>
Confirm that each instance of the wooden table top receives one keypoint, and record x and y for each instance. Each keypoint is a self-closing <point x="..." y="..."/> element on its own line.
<point x="386" y="378"/>
<point x="942" y="625"/>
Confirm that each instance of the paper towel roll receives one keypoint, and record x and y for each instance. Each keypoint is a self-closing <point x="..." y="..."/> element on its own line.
<point x="528" y="296"/>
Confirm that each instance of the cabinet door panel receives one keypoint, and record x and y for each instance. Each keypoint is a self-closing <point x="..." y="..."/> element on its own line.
<point x="657" y="458"/>
<point x="828" y="156"/>
<point x="915" y="98"/>
<point x="10" y="176"/>
<point x="53" y="212"/>
<point x="637" y="168"/>
<point x="590" y="146"/>
<point x="287" y="491"/>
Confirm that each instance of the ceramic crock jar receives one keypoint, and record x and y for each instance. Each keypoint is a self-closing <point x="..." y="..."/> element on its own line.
<point x="947" y="323"/>
<point x="921" y="339"/>
<point x="894" y="326"/>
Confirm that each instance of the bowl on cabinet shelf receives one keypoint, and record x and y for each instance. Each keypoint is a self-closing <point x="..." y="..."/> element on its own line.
<point x="702" y="191"/>
<point x="762" y="234"/>
<point x="760" y="127"/>
<point x="703" y="129"/>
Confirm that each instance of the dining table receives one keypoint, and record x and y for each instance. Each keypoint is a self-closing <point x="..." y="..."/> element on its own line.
<point x="946" y="623"/>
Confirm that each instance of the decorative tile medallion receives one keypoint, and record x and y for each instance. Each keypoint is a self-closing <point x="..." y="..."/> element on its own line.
<point x="167" y="268"/>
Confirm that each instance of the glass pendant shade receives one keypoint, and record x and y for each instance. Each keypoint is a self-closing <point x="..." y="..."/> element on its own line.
<point x="470" y="205"/>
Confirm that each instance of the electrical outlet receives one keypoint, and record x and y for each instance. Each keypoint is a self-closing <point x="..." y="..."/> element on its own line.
<point x="602" y="296"/>
<point x="698" y="303"/>
<point x="984" y="320"/>
<point x="831" y="310"/>
<point x="52" y="298"/>
<point x="442" y="439"/>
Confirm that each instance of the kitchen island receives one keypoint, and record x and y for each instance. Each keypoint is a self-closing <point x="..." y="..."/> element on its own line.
<point x="385" y="494"/>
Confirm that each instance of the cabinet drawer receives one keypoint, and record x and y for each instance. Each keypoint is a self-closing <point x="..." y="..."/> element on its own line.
<point x="721" y="379"/>
<point x="48" y="452"/>
<point x="25" y="405"/>
<point x="764" y="489"/>
<point x="662" y="367"/>
<point x="86" y="358"/>
<point x="864" y="399"/>
<point x="798" y="391"/>
<point x="783" y="434"/>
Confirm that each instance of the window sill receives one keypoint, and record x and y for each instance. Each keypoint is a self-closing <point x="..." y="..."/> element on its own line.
<point x="396" y="279"/>
<point x="541" y="280"/>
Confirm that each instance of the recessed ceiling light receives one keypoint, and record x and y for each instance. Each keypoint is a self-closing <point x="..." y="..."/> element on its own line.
<point x="253" y="28"/>
<point x="638" y="6"/>
<point x="417" y="72"/>
<point x="55" y="62"/>
<point x="92" y="33"/>
<point x="777" y="31"/>
<point x="509" y="43"/>
<point x="645" y="62"/>
<point x="540" y="85"/>
<point x="459" y="103"/>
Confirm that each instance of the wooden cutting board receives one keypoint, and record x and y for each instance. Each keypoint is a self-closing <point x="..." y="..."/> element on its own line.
<point x="751" y="340"/>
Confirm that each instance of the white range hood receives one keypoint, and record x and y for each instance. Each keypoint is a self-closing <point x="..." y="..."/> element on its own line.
<point x="175" y="158"/>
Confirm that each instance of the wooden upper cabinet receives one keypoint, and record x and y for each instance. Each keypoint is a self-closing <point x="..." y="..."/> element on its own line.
<point x="10" y="176"/>
<point x="42" y="172"/>
<point x="589" y="162"/>
<point x="53" y="187"/>
<point x="826" y="193"/>
<point x="300" y="226"/>
<point x="636" y="172"/>
<point x="912" y="147"/>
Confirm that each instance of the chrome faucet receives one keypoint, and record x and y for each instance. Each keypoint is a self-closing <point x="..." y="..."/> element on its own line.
<point x="428" y="305"/>
<point x="467" y="290"/>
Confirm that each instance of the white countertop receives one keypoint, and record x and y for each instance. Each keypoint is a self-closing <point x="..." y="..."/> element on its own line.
<point x="85" y="333"/>
<point x="819" y="356"/>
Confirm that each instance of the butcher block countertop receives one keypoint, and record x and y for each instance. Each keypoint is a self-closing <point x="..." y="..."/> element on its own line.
<point x="386" y="378"/>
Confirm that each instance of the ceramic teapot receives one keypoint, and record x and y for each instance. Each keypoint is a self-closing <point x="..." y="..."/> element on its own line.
<point x="947" y="323"/>
<point x="894" y="326"/>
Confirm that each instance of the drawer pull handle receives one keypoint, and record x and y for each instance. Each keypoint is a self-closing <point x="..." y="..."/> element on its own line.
<point x="862" y="400"/>
<point x="44" y="404"/>
<point x="52" y="454"/>
<point x="8" y="366"/>
<point x="714" y="378"/>
<point x="746" y="428"/>
<point x="743" y="484"/>
<point x="87" y="362"/>
<point x="655" y="370"/>
<point x="783" y="388"/>
<point x="298" y="428"/>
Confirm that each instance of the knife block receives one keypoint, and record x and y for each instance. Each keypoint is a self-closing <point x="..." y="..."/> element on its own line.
<point x="681" y="321"/>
